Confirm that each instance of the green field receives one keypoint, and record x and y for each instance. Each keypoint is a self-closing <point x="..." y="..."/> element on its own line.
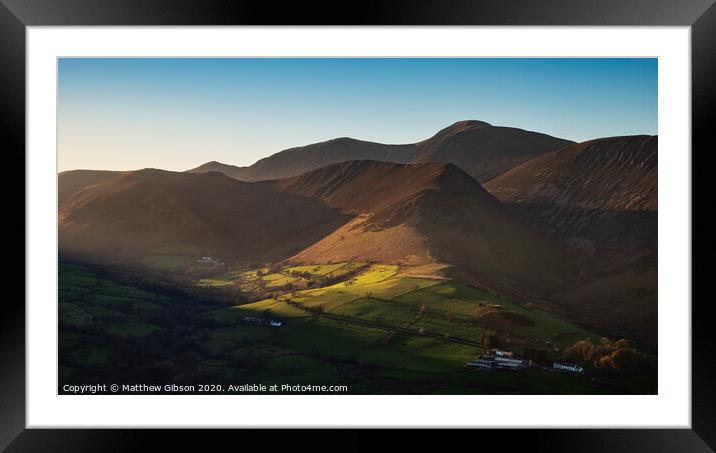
<point x="318" y="270"/>
<point x="421" y="354"/>
<point x="360" y="324"/>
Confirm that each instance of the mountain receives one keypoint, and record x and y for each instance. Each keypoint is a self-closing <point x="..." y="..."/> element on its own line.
<point x="485" y="151"/>
<point x="418" y="214"/>
<point x="430" y="213"/>
<point x="140" y="212"/>
<point x="480" y="149"/>
<point x="232" y="171"/>
<point x="599" y="198"/>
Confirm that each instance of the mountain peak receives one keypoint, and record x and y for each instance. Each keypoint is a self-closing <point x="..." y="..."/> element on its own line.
<point x="456" y="128"/>
<point x="465" y="124"/>
<point x="374" y="186"/>
<point x="343" y="139"/>
<point x="483" y="150"/>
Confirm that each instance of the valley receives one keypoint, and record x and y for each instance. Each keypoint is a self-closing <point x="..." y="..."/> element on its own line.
<point x="386" y="268"/>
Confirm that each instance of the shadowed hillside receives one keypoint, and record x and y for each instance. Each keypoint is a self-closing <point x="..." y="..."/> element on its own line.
<point x="600" y="199"/>
<point x="616" y="173"/>
<point x="142" y="211"/>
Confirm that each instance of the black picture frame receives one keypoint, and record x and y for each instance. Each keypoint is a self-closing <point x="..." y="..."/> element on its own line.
<point x="16" y="15"/>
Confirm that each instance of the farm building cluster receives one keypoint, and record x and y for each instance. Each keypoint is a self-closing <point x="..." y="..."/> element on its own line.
<point x="498" y="359"/>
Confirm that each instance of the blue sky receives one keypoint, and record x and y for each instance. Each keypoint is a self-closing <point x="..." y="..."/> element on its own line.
<point x="124" y="114"/>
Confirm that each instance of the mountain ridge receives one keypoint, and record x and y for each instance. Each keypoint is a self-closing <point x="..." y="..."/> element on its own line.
<point x="481" y="149"/>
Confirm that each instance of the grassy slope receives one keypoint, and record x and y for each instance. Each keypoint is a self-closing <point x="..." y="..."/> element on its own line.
<point x="358" y="321"/>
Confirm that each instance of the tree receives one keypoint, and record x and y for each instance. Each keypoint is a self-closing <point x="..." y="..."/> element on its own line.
<point x="607" y="355"/>
<point x="606" y="362"/>
<point x="627" y="359"/>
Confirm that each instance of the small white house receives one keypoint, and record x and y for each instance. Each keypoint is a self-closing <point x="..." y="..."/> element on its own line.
<point x="510" y="366"/>
<point x="500" y="359"/>
<point x="568" y="367"/>
<point x="481" y="363"/>
<point x="208" y="260"/>
<point x="510" y="363"/>
<point x="275" y="323"/>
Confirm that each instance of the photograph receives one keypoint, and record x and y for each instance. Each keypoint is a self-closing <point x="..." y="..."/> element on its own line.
<point x="357" y="226"/>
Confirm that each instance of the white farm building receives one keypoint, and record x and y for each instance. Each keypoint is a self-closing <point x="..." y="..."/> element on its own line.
<point x="566" y="367"/>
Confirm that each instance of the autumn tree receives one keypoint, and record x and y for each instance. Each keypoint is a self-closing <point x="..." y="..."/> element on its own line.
<point x="606" y="355"/>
